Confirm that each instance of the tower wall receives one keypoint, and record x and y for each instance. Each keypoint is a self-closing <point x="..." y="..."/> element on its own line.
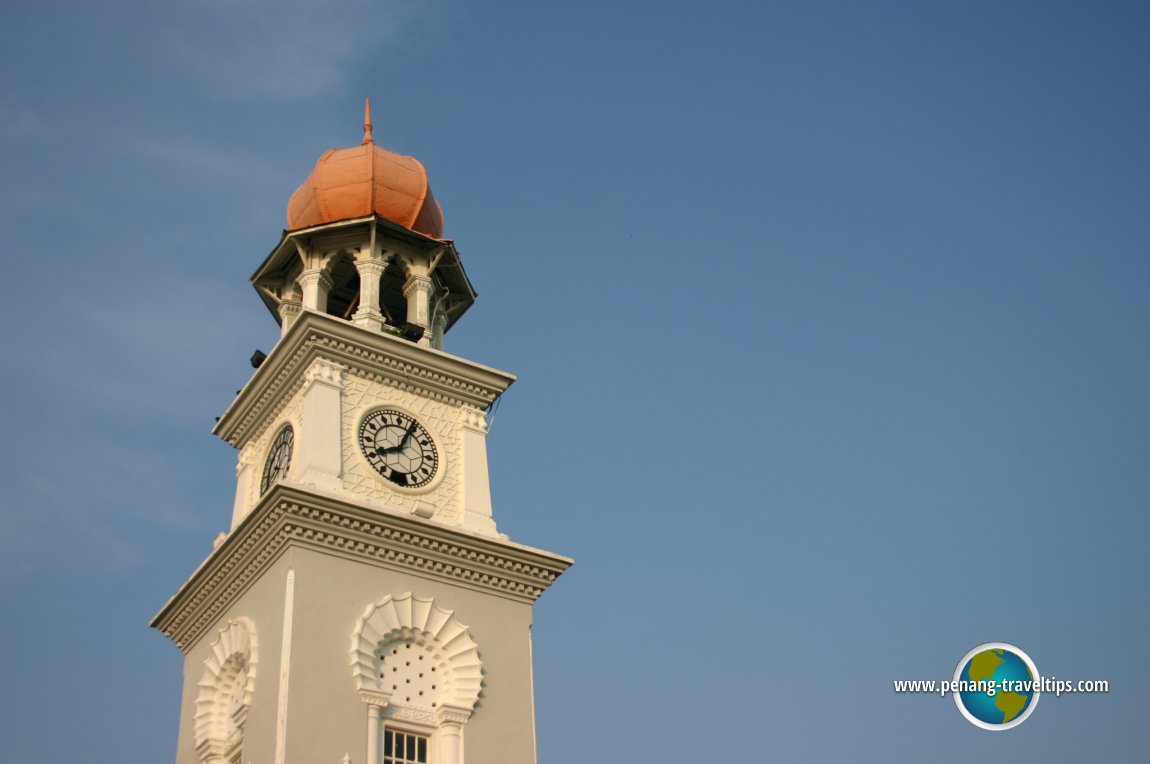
<point x="362" y="545"/>
<point x="305" y="580"/>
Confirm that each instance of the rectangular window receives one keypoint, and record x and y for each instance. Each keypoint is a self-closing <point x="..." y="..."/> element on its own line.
<point x="404" y="748"/>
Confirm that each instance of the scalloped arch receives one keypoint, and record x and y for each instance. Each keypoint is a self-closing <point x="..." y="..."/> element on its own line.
<point x="235" y="651"/>
<point x="407" y="616"/>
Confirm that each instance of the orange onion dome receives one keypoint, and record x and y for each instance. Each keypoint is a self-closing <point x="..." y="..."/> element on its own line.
<point x="366" y="180"/>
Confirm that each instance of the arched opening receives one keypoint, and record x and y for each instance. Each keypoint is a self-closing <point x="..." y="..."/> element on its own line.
<point x="343" y="299"/>
<point x="418" y="670"/>
<point x="225" y="693"/>
<point x="392" y="303"/>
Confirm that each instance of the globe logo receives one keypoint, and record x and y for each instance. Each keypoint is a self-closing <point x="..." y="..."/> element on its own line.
<point x="998" y="686"/>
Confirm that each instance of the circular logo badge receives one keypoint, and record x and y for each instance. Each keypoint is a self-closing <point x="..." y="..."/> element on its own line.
<point x="998" y="686"/>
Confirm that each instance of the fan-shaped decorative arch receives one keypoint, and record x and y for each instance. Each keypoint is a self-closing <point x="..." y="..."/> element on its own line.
<point x="420" y="620"/>
<point x="226" y="686"/>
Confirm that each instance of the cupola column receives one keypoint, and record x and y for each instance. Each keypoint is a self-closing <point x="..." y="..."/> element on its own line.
<point x="417" y="290"/>
<point x="316" y="285"/>
<point x="370" y="266"/>
<point x="289" y="311"/>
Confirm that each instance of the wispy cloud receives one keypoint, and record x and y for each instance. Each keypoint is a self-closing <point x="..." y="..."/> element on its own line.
<point x="283" y="49"/>
<point x="193" y="158"/>
<point x="92" y="506"/>
<point x="139" y="361"/>
<point x="92" y="461"/>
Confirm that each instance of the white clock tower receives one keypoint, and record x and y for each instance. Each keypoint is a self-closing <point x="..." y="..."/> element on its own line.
<point x="363" y="608"/>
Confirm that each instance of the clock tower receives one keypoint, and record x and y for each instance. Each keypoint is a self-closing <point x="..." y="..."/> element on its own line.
<point x="363" y="607"/>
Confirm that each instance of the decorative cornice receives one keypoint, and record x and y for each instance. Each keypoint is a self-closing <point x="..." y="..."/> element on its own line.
<point x="247" y="458"/>
<point x="412" y="715"/>
<point x="368" y="265"/>
<point x="474" y="419"/>
<point x="453" y="714"/>
<point x="290" y="308"/>
<point x="290" y="516"/>
<point x="392" y="360"/>
<point x="325" y="372"/>
<point x="416" y="283"/>
<point x="375" y="697"/>
<point x="317" y="275"/>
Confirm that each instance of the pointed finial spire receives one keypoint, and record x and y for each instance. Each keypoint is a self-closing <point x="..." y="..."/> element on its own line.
<point x="367" y="122"/>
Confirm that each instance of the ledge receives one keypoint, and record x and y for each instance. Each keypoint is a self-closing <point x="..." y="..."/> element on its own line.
<point x="430" y="372"/>
<point x="289" y="516"/>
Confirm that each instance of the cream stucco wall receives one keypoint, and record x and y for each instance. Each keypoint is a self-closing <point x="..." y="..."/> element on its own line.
<point x="325" y="400"/>
<point x="325" y="715"/>
<point x="263" y="604"/>
<point x="362" y="395"/>
<point x="309" y="558"/>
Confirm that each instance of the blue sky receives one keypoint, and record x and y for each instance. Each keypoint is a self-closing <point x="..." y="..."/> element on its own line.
<point x="829" y="320"/>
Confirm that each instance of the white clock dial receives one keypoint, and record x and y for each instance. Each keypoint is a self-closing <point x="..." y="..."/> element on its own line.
<point x="399" y="448"/>
<point x="279" y="458"/>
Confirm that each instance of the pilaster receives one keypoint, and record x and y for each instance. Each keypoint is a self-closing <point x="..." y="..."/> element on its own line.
<point x="246" y="473"/>
<point x="451" y="721"/>
<point x="477" y="513"/>
<point x="376" y="702"/>
<point x="320" y="459"/>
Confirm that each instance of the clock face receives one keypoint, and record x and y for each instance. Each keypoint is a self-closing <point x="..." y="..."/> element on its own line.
<point x="399" y="448"/>
<point x="279" y="458"/>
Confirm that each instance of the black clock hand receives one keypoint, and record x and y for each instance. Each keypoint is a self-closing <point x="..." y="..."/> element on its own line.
<point x="389" y="450"/>
<point x="407" y="435"/>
